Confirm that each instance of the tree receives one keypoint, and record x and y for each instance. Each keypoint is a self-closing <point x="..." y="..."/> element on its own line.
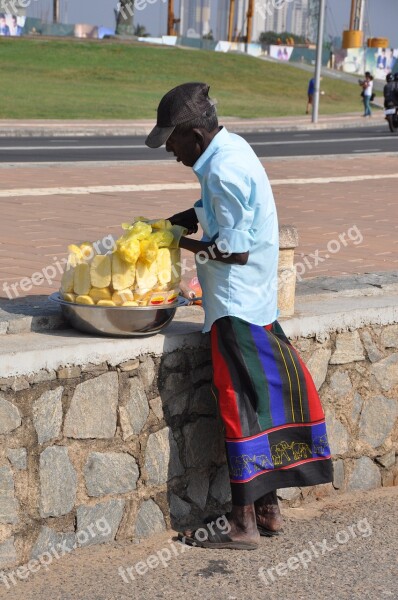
<point x="124" y="14"/>
<point x="270" y="38"/>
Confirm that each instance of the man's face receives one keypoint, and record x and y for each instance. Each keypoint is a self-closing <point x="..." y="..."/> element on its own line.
<point x="185" y="147"/>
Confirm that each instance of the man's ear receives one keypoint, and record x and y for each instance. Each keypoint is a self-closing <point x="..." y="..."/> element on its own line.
<point x="199" y="138"/>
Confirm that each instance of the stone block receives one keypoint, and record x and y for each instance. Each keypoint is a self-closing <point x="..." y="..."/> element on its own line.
<point x="288" y="237"/>
<point x="95" y="369"/>
<point x="110" y="473"/>
<point x="202" y="440"/>
<point x="162" y="459"/>
<point x="42" y="376"/>
<point x="198" y="488"/>
<point x="8" y="503"/>
<point x="129" y="365"/>
<point x="289" y="494"/>
<point x="157" y="407"/>
<point x="340" y="384"/>
<point x="104" y="518"/>
<point x="174" y="384"/>
<point x="18" y="458"/>
<point x="69" y="372"/>
<point x="287" y="291"/>
<point x="10" y="417"/>
<point x="389" y="337"/>
<point x="318" y="366"/>
<point x="150" y="520"/>
<point x="203" y="401"/>
<point x="202" y="374"/>
<point x="337" y="434"/>
<point x="58" y="482"/>
<point x="133" y="416"/>
<point x="179" y="508"/>
<point x="49" y="540"/>
<point x="47" y="415"/>
<point x="220" y="487"/>
<point x="178" y="403"/>
<point x="338" y="474"/>
<point x="19" y="384"/>
<point x="377" y="420"/>
<point x="92" y="413"/>
<point x="8" y="554"/>
<point x="387" y="460"/>
<point x="365" y="476"/>
<point x="174" y="361"/>
<point x="348" y="349"/>
<point x="374" y="354"/>
<point x="147" y="372"/>
<point x="386" y="372"/>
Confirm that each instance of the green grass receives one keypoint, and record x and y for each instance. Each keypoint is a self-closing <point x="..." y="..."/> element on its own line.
<point x="43" y="79"/>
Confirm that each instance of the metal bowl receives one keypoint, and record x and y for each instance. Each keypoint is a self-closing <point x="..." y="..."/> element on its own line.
<point x="123" y="321"/>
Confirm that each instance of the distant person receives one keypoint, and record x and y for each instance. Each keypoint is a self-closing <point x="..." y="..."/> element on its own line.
<point x="367" y="88"/>
<point x="4" y="29"/>
<point x="311" y="94"/>
<point x="389" y="92"/>
<point x="396" y="89"/>
<point x="382" y="60"/>
<point x="15" y="29"/>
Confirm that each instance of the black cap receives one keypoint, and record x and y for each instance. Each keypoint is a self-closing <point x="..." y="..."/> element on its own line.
<point x="182" y="104"/>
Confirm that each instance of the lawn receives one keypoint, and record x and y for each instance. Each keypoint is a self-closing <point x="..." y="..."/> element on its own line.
<point x="46" y="79"/>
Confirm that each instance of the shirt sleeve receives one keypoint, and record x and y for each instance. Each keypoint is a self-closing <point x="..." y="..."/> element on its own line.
<point x="234" y="216"/>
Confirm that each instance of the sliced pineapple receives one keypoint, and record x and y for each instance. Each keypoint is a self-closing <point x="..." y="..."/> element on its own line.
<point x="69" y="297"/>
<point x="123" y="273"/>
<point x="67" y="285"/>
<point x="130" y="304"/>
<point x="87" y="250"/>
<point x="161" y="224"/>
<point x="81" y="279"/>
<point x="163" y="238"/>
<point x="101" y="271"/>
<point x="108" y="303"/>
<point x="128" y="249"/>
<point x="140" y="231"/>
<point x="149" y="251"/>
<point x="175" y="255"/>
<point x="75" y="250"/>
<point x="98" y="294"/>
<point x="164" y="266"/>
<point x="83" y="299"/>
<point x="147" y="276"/>
<point x="123" y="296"/>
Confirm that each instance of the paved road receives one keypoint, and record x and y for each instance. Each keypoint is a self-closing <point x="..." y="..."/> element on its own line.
<point x="277" y="144"/>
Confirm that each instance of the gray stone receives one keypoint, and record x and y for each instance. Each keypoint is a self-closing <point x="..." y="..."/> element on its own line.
<point x="69" y="372"/>
<point x="133" y="416"/>
<point x="157" y="407"/>
<point x="220" y="487"/>
<point x="10" y="417"/>
<point x="289" y="494"/>
<point x="49" y="539"/>
<point x="372" y="350"/>
<point x="8" y="503"/>
<point x="357" y="404"/>
<point x="147" y="372"/>
<point x="162" y="459"/>
<point x="58" y="482"/>
<point x="179" y="508"/>
<point x="377" y="420"/>
<point x="18" y="458"/>
<point x="203" y="401"/>
<point x="104" y="519"/>
<point x="318" y="365"/>
<point x="348" y="349"/>
<point x="174" y="384"/>
<point x="92" y="413"/>
<point x="387" y="460"/>
<point x="130" y="365"/>
<point x="110" y="473"/>
<point x="338" y="474"/>
<point x="337" y="434"/>
<point x="174" y="361"/>
<point x="389" y="337"/>
<point x="47" y="415"/>
<point x="288" y="237"/>
<point x="178" y="403"/>
<point x="19" y="384"/>
<point x="42" y="376"/>
<point x="366" y="475"/>
<point x="8" y="554"/>
<point x="95" y="369"/>
<point x="202" y="374"/>
<point x="386" y="372"/>
<point x="150" y="520"/>
<point x="198" y="489"/>
<point x="202" y="440"/>
<point x="340" y="384"/>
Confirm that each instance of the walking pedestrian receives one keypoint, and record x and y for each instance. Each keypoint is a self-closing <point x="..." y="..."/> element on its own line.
<point x="367" y="88"/>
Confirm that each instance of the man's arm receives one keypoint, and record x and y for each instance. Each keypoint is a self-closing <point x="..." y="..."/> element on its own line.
<point x="209" y="251"/>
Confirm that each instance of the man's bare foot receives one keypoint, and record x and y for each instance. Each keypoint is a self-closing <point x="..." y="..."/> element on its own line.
<point x="268" y="514"/>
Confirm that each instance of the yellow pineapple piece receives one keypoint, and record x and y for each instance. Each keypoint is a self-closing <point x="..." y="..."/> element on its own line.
<point x="100" y="271"/>
<point x="175" y="255"/>
<point x="128" y="249"/>
<point x="130" y="304"/>
<point x="140" y="231"/>
<point x="147" y="276"/>
<point x="69" y="297"/>
<point x="164" y="266"/>
<point x="98" y="294"/>
<point x="75" y="250"/>
<point x="67" y="285"/>
<point x="161" y="224"/>
<point x="163" y="238"/>
<point x="108" y="303"/>
<point x="87" y="250"/>
<point x="149" y="251"/>
<point x="81" y="279"/>
<point x="83" y="299"/>
<point x="123" y="296"/>
<point x="123" y="273"/>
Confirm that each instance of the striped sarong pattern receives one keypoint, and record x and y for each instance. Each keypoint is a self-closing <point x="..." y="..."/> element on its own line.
<point x="274" y="422"/>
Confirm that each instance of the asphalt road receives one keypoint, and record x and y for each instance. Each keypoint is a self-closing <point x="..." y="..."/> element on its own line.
<point x="276" y="144"/>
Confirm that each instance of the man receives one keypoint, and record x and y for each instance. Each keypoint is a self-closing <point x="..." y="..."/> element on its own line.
<point x="4" y="29"/>
<point x="274" y="423"/>
<point x="389" y="92"/>
<point x="16" y="30"/>
<point x="311" y="94"/>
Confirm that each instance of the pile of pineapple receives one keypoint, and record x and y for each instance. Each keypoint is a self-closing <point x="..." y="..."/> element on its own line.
<point x="143" y="270"/>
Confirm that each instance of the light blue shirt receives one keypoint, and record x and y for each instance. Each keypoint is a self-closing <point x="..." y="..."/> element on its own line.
<point x="237" y="212"/>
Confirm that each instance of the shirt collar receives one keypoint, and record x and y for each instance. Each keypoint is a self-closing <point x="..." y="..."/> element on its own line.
<point x="219" y="140"/>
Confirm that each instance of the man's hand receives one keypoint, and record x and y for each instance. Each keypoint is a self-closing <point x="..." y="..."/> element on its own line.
<point x="187" y="219"/>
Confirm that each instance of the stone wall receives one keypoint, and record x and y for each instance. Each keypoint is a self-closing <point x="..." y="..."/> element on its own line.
<point x="140" y="444"/>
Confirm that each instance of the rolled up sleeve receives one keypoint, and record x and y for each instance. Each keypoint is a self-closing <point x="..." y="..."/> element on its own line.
<point x="234" y="216"/>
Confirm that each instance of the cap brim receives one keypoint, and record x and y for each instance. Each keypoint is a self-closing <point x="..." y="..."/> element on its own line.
<point x="158" y="136"/>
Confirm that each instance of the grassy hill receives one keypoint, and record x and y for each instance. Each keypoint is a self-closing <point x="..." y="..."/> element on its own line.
<point x="84" y="80"/>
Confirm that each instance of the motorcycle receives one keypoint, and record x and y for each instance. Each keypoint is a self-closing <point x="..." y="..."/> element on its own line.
<point x="392" y="118"/>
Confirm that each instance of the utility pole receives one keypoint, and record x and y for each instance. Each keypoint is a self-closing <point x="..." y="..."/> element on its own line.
<point x="231" y="21"/>
<point x="170" y="18"/>
<point x="55" y="11"/>
<point x="318" y="68"/>
<point x="250" y="14"/>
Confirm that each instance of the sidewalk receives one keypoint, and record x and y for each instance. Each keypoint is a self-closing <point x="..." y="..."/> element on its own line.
<point x="48" y="128"/>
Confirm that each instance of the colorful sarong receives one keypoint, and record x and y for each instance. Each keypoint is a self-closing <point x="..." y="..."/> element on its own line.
<point x="274" y="422"/>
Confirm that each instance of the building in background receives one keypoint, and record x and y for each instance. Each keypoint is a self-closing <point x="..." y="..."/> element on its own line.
<point x="300" y="18"/>
<point x="195" y="18"/>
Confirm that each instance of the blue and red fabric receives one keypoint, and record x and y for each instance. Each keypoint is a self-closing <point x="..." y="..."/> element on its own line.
<point x="274" y="422"/>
